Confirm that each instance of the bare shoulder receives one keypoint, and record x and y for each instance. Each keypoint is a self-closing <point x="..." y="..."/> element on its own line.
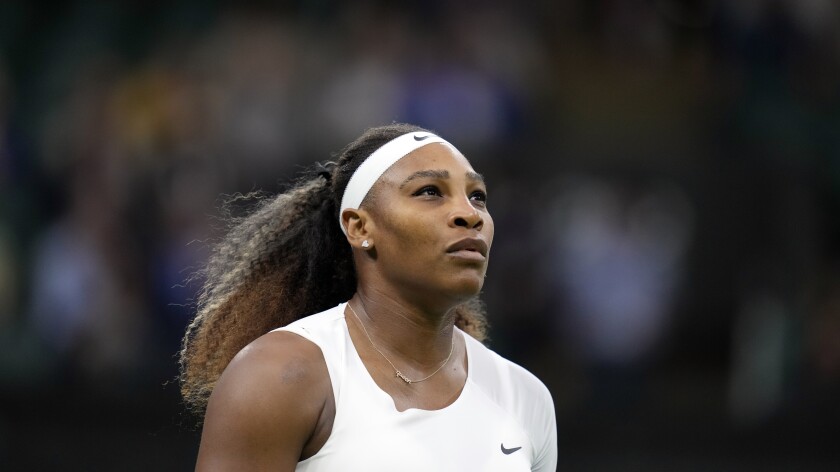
<point x="266" y="405"/>
<point x="275" y="361"/>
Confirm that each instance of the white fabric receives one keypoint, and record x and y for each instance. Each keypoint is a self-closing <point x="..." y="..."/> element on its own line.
<point x="377" y="163"/>
<point x="501" y="405"/>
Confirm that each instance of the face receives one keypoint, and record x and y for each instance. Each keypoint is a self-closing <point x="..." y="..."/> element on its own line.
<point x="430" y="225"/>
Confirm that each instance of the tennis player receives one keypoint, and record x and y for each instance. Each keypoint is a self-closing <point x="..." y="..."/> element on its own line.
<point x="339" y="327"/>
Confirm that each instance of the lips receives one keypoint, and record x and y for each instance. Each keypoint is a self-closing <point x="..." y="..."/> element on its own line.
<point x="469" y="246"/>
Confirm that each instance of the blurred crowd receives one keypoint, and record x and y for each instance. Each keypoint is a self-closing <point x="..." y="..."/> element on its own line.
<point x="664" y="176"/>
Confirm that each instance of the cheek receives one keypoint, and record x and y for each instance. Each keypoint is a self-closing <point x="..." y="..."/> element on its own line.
<point x="407" y="231"/>
<point x="413" y="233"/>
<point x="489" y="228"/>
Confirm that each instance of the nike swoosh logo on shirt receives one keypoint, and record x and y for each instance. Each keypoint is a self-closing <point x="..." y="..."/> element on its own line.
<point x="511" y="450"/>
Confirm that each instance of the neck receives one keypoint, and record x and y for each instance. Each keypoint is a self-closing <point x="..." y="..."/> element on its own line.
<point x="417" y="334"/>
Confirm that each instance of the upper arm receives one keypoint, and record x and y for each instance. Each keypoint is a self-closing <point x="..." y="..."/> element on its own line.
<point x="265" y="406"/>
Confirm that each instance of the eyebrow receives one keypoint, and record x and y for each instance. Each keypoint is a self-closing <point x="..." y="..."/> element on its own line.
<point x="439" y="174"/>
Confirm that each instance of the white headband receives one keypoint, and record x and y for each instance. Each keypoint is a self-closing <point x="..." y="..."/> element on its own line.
<point x="377" y="163"/>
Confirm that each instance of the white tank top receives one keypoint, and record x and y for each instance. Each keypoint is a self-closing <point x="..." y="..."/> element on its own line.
<point x="503" y="419"/>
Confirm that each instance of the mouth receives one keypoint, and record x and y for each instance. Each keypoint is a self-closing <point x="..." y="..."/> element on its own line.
<point x="469" y="248"/>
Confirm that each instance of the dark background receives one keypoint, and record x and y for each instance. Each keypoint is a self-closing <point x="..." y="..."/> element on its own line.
<point x="664" y="176"/>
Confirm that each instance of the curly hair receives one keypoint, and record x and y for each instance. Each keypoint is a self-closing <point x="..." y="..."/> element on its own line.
<point x="285" y="260"/>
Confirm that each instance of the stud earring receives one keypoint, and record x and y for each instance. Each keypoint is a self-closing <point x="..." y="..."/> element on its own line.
<point x="365" y="244"/>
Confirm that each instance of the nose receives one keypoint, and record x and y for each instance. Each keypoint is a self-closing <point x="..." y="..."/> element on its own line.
<point x="466" y="216"/>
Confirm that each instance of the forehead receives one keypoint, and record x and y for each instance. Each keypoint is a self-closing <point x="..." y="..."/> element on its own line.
<point x="436" y="156"/>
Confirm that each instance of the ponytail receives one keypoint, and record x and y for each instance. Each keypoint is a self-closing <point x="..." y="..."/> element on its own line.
<point x="286" y="260"/>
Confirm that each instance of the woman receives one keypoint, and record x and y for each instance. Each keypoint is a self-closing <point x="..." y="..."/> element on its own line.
<point x="388" y="247"/>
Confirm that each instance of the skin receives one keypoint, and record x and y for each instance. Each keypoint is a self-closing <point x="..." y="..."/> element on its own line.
<point x="274" y="406"/>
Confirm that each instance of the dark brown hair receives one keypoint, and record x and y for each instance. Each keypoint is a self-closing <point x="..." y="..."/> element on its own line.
<point x="287" y="259"/>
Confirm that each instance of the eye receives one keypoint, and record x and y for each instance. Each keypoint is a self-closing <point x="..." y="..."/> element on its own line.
<point x="479" y="196"/>
<point x="428" y="191"/>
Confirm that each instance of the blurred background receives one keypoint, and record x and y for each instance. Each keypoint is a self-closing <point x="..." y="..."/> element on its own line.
<point x="664" y="176"/>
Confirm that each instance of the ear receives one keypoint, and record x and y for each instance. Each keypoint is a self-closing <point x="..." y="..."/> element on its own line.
<point x="358" y="224"/>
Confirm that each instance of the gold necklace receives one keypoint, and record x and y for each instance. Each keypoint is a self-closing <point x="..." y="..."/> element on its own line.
<point x="397" y="372"/>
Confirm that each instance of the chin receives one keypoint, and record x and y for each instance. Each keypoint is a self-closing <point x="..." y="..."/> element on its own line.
<point x="466" y="287"/>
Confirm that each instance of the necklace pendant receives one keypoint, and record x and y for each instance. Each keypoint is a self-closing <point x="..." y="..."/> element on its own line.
<point x="403" y="377"/>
